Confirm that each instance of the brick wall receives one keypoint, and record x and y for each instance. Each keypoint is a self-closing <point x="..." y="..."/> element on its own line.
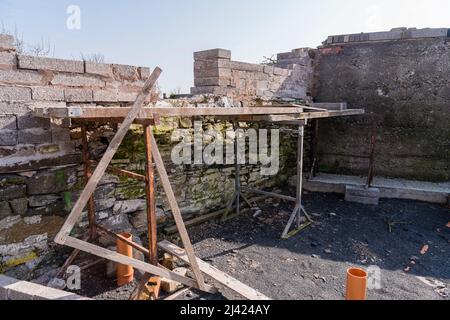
<point x="290" y="77"/>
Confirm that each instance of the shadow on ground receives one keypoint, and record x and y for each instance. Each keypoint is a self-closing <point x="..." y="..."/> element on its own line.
<point x="312" y="264"/>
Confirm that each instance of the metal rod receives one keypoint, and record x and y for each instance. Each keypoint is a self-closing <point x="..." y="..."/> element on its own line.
<point x="301" y="135"/>
<point x="271" y="194"/>
<point x="87" y="176"/>
<point x="237" y="165"/>
<point x="118" y="236"/>
<point x="150" y="192"/>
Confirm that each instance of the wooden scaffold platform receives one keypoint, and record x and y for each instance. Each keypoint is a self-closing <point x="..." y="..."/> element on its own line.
<point x="295" y="115"/>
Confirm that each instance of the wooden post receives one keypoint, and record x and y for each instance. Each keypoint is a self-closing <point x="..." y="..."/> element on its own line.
<point x="87" y="176"/>
<point x="150" y="192"/>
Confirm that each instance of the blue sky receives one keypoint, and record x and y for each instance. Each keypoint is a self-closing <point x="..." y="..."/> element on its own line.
<point x="166" y="33"/>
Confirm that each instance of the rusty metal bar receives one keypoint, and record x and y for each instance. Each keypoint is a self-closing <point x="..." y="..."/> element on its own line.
<point x="150" y="192"/>
<point x="87" y="176"/>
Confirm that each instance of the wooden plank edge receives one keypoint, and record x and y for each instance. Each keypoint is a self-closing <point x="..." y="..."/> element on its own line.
<point x="233" y="284"/>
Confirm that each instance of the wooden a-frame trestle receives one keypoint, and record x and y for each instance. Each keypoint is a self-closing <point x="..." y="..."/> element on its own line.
<point x="147" y="117"/>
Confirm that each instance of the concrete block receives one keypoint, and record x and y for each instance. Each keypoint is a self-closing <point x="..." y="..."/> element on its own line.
<point x="362" y="195"/>
<point x="14" y="93"/>
<point x="213" y="81"/>
<point x="389" y="35"/>
<point x="77" y="80"/>
<point x="144" y="73"/>
<point x="4" y="283"/>
<point x="8" y="122"/>
<point x="216" y="90"/>
<point x="280" y="71"/>
<point x="8" y="137"/>
<point x="6" y="42"/>
<point x="35" y="136"/>
<point x="28" y="121"/>
<point x="124" y="72"/>
<point x="209" y="73"/>
<point x="47" y="93"/>
<point x="100" y="69"/>
<point x="21" y="77"/>
<point x="212" y="54"/>
<point x="105" y="96"/>
<point x="7" y="60"/>
<point x="78" y="95"/>
<point x="127" y="96"/>
<point x="22" y="290"/>
<point x="269" y="69"/>
<point x="244" y="66"/>
<point x="41" y="63"/>
<point x="429" y="33"/>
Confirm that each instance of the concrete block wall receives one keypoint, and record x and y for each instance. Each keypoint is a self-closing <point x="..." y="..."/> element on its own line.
<point x="394" y="34"/>
<point x="400" y="77"/>
<point x="216" y="73"/>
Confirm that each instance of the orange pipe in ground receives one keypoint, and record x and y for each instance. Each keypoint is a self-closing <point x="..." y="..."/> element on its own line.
<point x="356" y="284"/>
<point x="125" y="274"/>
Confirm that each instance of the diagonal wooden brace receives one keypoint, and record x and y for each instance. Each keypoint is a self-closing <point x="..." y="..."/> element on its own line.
<point x="106" y="159"/>
<point x="176" y="213"/>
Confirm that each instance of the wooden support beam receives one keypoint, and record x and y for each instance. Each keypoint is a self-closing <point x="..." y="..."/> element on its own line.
<point x="150" y="112"/>
<point x="176" y="213"/>
<point x="106" y="159"/>
<point x="122" y="259"/>
<point x="221" y="277"/>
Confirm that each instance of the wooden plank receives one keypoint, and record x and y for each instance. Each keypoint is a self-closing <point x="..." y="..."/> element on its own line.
<point x="221" y="277"/>
<point x="148" y="113"/>
<point x="176" y="213"/>
<point x="177" y="294"/>
<point x="140" y="265"/>
<point x="106" y="159"/>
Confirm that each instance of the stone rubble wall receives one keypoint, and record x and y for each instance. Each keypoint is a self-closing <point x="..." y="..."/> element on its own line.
<point x="41" y="173"/>
<point x="290" y="77"/>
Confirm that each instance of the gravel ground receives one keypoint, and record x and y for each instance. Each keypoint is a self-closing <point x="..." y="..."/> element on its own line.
<point x="313" y="264"/>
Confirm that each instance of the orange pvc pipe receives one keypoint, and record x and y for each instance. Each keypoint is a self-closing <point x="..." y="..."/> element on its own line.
<point x="356" y="284"/>
<point x="125" y="274"/>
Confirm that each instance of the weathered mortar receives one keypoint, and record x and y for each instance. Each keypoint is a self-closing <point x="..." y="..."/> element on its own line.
<point x="404" y="87"/>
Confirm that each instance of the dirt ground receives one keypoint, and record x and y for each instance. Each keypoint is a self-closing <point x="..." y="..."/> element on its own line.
<point x="312" y="265"/>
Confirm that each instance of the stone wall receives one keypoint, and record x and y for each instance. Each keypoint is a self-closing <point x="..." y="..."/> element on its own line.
<point x="401" y="78"/>
<point x="41" y="174"/>
<point x="289" y="77"/>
